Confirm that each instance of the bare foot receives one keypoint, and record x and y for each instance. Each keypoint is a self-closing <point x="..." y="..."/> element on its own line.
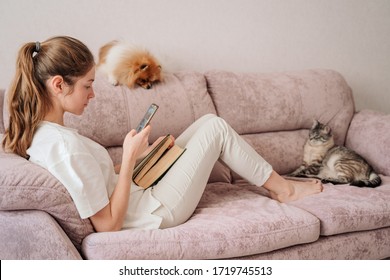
<point x="285" y="190"/>
<point x="296" y="189"/>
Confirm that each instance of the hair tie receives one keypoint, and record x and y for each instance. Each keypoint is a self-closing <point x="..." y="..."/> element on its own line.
<point x="37" y="47"/>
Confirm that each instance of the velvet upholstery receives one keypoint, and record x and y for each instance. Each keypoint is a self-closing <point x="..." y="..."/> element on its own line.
<point x="223" y="226"/>
<point x="344" y="208"/>
<point x="33" y="234"/>
<point x="25" y="186"/>
<point x="116" y="110"/>
<point x="282" y="101"/>
<point x="282" y="149"/>
<point x="367" y="136"/>
<point x="361" y="245"/>
<point x="273" y="112"/>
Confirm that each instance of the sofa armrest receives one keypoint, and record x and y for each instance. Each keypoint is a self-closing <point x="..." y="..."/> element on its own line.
<point x="33" y="235"/>
<point x="27" y="186"/>
<point x="369" y="135"/>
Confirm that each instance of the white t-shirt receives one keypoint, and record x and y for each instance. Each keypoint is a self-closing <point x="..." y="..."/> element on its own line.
<point x="86" y="170"/>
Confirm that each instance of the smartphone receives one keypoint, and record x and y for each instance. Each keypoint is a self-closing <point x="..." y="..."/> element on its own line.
<point x="148" y="116"/>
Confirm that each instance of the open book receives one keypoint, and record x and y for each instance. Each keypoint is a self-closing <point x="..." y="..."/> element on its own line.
<point x="150" y="169"/>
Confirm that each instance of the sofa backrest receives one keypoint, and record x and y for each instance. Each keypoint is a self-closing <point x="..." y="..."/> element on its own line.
<point x="258" y="103"/>
<point x="273" y="111"/>
<point x="251" y="103"/>
<point x="182" y="98"/>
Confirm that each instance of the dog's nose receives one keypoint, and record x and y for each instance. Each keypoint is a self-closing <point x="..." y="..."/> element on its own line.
<point x="148" y="86"/>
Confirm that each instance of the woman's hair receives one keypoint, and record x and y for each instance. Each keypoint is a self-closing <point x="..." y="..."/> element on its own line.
<point x="28" y="98"/>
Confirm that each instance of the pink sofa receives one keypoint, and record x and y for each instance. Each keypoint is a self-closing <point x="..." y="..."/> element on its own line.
<point x="273" y="112"/>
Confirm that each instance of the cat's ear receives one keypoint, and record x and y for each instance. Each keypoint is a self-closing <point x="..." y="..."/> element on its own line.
<point x="327" y="129"/>
<point x="315" y="123"/>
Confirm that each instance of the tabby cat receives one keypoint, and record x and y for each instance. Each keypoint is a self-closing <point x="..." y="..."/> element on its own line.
<point x="324" y="160"/>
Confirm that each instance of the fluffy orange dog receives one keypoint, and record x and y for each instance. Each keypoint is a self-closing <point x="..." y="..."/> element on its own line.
<point x="128" y="65"/>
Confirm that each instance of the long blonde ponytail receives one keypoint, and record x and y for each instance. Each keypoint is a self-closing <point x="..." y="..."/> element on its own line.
<point x="28" y="98"/>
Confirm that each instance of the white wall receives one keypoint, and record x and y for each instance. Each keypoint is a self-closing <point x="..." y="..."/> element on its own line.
<point x="350" y="36"/>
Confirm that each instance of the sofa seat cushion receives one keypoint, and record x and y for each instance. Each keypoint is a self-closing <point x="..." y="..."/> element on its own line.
<point x="26" y="186"/>
<point x="230" y="221"/>
<point x="344" y="208"/>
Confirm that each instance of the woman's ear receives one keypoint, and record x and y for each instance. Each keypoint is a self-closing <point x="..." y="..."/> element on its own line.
<point x="56" y="84"/>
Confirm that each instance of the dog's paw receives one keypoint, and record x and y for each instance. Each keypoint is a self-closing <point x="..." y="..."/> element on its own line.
<point x="113" y="81"/>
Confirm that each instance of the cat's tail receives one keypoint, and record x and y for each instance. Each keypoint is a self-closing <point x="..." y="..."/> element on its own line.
<point x="373" y="181"/>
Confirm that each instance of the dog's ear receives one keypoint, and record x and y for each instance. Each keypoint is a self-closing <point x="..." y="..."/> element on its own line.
<point x="143" y="67"/>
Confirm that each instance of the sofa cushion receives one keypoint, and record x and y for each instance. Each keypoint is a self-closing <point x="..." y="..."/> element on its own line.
<point x="26" y="186"/>
<point x="282" y="149"/>
<point x="230" y="221"/>
<point x="115" y="110"/>
<point x="33" y="235"/>
<point x="344" y="208"/>
<point x="282" y="101"/>
<point x="361" y="245"/>
<point x="369" y="135"/>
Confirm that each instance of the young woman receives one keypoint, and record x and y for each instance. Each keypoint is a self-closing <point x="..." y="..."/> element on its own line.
<point x="56" y="76"/>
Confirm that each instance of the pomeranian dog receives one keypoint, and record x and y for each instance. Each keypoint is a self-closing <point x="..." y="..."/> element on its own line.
<point x="129" y="65"/>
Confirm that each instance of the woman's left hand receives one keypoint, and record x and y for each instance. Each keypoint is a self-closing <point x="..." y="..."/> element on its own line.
<point x="151" y="147"/>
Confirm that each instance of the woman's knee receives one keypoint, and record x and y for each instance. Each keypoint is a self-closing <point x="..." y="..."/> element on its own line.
<point x="208" y="116"/>
<point x="214" y="119"/>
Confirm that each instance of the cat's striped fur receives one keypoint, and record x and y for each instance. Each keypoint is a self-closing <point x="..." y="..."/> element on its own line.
<point x="324" y="160"/>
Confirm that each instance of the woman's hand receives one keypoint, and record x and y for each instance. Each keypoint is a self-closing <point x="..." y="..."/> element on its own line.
<point x="135" y="144"/>
<point x="173" y="141"/>
<point x="155" y="143"/>
<point x="161" y="138"/>
<point x="146" y="152"/>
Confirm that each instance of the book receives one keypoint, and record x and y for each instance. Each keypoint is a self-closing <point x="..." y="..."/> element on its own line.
<point x="153" y="167"/>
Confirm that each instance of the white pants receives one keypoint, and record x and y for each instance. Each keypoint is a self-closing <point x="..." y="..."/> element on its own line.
<point x="206" y="140"/>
